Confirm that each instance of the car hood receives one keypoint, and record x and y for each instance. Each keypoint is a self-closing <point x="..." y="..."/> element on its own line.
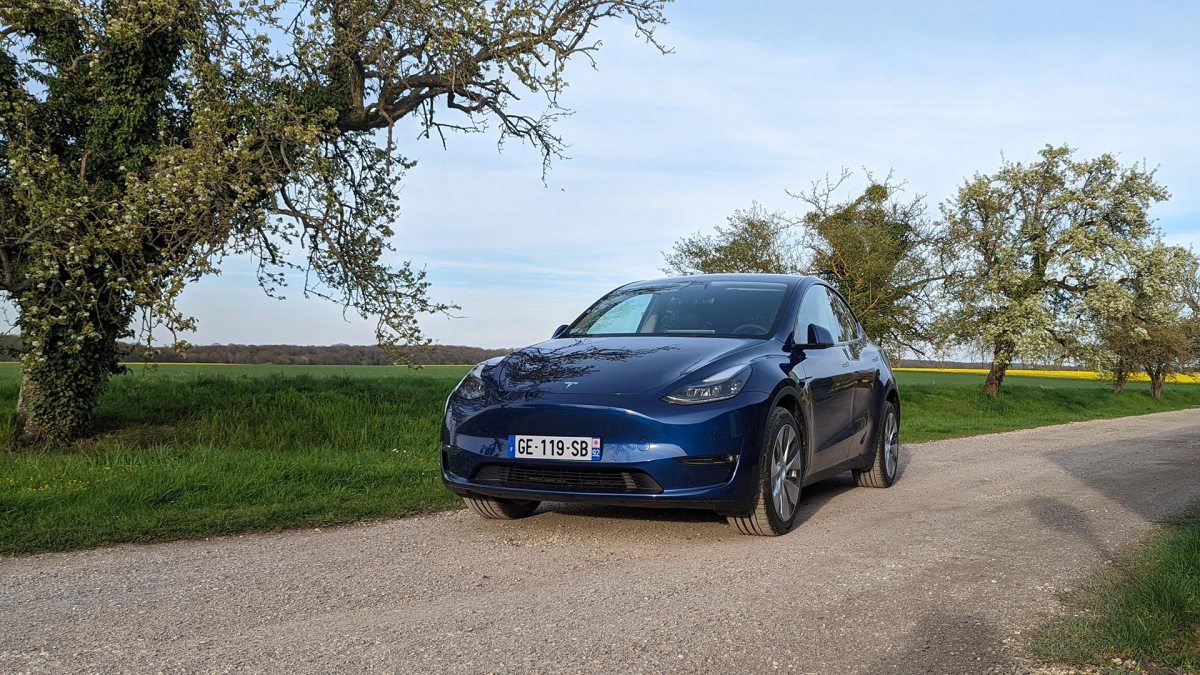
<point x="608" y="365"/>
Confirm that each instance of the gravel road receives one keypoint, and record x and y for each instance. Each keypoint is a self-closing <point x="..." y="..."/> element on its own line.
<point x="945" y="572"/>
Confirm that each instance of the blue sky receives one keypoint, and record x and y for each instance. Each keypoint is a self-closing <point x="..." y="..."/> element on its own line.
<point x="758" y="98"/>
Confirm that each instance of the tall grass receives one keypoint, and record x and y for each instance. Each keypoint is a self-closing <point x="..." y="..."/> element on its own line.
<point x="1147" y="610"/>
<point x="184" y="452"/>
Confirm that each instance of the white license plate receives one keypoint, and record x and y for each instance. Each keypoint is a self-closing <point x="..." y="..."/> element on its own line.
<point x="574" y="448"/>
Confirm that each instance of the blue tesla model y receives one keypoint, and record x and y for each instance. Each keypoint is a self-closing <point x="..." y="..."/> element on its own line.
<point x="728" y="392"/>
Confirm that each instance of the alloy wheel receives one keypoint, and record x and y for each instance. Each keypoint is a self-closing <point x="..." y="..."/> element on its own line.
<point x="891" y="445"/>
<point x="785" y="471"/>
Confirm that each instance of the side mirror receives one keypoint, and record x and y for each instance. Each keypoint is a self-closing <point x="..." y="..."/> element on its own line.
<point x="559" y="332"/>
<point x="818" y="338"/>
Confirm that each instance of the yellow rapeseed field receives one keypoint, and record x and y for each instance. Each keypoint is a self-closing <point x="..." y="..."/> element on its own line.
<point x="1064" y="374"/>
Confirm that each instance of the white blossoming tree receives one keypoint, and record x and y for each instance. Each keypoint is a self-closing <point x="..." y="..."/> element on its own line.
<point x="1044" y="246"/>
<point x="1145" y="322"/>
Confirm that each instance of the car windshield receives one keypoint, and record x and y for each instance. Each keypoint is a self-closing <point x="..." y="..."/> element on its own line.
<point x="686" y="307"/>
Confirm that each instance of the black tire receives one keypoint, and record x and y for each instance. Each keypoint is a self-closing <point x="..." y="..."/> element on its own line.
<point x="501" y="509"/>
<point x="765" y="519"/>
<point x="882" y="473"/>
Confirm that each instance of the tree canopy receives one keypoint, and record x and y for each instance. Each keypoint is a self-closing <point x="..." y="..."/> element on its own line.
<point x="1145" y="322"/>
<point x="1051" y="260"/>
<point x="1041" y="244"/>
<point x="751" y="240"/>
<point x="882" y="253"/>
<point x="143" y="141"/>
<point x="879" y="250"/>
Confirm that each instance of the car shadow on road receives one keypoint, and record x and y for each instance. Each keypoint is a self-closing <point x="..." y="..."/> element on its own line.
<point x="1069" y="520"/>
<point x="947" y="643"/>
<point x="1155" y="476"/>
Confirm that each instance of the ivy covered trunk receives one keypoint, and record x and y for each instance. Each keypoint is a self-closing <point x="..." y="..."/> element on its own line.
<point x="64" y="370"/>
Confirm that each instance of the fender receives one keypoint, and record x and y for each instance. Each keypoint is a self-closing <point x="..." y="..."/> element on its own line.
<point x="885" y="386"/>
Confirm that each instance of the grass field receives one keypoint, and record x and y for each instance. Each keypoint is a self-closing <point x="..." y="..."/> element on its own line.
<point x="1147" y="610"/>
<point x="188" y="451"/>
<point x="949" y="405"/>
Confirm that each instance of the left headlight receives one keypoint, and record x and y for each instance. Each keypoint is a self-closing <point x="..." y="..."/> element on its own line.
<point x="716" y="387"/>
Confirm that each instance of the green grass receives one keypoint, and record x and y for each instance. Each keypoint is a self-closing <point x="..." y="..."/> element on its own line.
<point x="1147" y="610"/>
<point x="189" y="451"/>
<point x="950" y="405"/>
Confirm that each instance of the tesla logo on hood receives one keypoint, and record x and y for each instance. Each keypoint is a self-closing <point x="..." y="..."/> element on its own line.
<point x="568" y="385"/>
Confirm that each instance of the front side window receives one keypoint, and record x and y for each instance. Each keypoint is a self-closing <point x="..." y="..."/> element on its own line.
<point x="815" y="309"/>
<point x="686" y="308"/>
<point x="847" y="324"/>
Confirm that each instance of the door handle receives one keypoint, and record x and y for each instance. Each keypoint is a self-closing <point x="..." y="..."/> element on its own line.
<point x="846" y="364"/>
<point x="876" y="359"/>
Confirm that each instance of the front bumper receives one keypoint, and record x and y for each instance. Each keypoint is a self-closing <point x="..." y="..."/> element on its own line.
<point x="661" y="455"/>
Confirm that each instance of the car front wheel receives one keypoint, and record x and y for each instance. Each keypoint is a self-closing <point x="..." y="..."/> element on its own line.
<point x="780" y="472"/>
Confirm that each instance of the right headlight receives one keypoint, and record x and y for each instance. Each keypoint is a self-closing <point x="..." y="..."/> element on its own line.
<point x="472" y="386"/>
<point x="716" y="387"/>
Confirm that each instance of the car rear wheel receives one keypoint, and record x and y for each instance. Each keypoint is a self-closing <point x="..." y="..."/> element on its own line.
<point x="885" y="461"/>
<point x="501" y="509"/>
<point x="780" y="472"/>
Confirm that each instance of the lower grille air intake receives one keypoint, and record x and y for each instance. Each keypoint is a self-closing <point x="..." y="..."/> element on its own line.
<point x="568" y="480"/>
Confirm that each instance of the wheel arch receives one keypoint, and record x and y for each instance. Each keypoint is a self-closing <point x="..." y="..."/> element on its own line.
<point x="794" y="399"/>
<point x="893" y="396"/>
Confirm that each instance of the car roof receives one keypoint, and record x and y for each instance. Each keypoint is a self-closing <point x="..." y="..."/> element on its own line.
<point x="789" y="279"/>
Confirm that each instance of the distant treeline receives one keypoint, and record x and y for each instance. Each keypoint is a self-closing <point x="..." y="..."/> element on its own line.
<point x="332" y="355"/>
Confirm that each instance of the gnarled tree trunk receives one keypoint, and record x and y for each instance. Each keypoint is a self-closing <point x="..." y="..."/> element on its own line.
<point x="1120" y="378"/>
<point x="1156" y="384"/>
<point x="1001" y="360"/>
